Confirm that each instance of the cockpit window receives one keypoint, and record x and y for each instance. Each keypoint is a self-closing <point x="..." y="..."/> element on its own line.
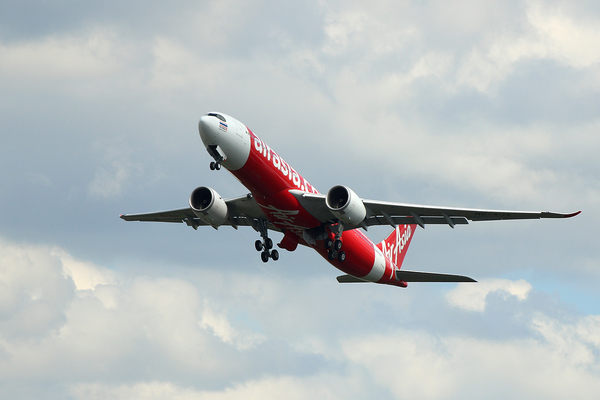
<point x="218" y="116"/>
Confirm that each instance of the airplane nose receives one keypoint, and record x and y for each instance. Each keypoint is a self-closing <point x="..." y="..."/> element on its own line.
<point x="209" y="129"/>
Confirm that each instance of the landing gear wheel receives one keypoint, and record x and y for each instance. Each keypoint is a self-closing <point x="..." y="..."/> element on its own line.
<point x="341" y="256"/>
<point x="328" y="243"/>
<point x="332" y="255"/>
<point x="337" y="245"/>
<point x="264" y="256"/>
<point x="266" y="244"/>
<point x="215" y="166"/>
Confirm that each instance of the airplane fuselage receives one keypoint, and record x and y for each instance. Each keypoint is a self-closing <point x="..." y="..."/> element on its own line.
<point x="270" y="179"/>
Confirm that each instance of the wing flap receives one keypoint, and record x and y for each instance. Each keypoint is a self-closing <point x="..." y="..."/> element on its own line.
<point x="380" y="220"/>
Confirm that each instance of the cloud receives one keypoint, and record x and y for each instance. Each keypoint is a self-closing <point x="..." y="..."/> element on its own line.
<point x="562" y="37"/>
<point x="221" y="327"/>
<point x="116" y="172"/>
<point x="152" y="336"/>
<point x="422" y="365"/>
<point x="61" y="59"/>
<point x="473" y="297"/>
<point x="289" y="387"/>
<point x="33" y="292"/>
<point x="551" y="34"/>
<point x="58" y="310"/>
<point x="84" y="275"/>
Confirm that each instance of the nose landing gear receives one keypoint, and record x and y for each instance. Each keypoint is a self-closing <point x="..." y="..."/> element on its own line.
<point x="216" y="153"/>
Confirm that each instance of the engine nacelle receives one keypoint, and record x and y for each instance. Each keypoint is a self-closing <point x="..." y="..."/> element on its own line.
<point x="346" y="205"/>
<point x="209" y="206"/>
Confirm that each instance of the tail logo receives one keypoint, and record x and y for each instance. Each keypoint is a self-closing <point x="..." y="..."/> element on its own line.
<point x="392" y="248"/>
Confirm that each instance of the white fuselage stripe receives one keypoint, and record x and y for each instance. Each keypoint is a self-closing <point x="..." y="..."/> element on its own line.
<point x="378" y="266"/>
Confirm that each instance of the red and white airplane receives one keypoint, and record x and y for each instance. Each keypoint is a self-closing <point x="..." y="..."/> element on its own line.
<point x="280" y="199"/>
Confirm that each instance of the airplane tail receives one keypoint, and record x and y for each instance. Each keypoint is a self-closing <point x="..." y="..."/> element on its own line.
<point x="395" y="247"/>
<point x="396" y="244"/>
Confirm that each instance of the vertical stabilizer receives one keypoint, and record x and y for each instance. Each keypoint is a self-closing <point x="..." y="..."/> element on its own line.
<point x="396" y="244"/>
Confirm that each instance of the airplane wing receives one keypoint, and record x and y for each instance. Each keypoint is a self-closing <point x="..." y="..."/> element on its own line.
<point x="388" y="213"/>
<point x="243" y="211"/>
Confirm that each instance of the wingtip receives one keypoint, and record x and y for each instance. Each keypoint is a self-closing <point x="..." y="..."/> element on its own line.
<point x="548" y="214"/>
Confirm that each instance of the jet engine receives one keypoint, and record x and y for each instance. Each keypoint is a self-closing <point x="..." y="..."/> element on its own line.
<point x="346" y="205"/>
<point x="208" y="206"/>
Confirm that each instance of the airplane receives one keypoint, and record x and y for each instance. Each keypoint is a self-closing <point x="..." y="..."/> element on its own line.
<point x="280" y="199"/>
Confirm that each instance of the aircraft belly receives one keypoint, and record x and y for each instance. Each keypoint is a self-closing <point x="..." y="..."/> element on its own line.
<point x="284" y="211"/>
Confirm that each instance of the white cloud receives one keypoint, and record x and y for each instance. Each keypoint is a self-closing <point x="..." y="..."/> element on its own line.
<point x="425" y="365"/>
<point x="322" y="386"/>
<point x="115" y="173"/>
<point x="155" y="337"/>
<point x="222" y="328"/>
<point x="85" y="275"/>
<point x="61" y="59"/>
<point x="58" y="310"/>
<point x="550" y="34"/>
<point x="562" y="37"/>
<point x="473" y="297"/>
<point x="33" y="292"/>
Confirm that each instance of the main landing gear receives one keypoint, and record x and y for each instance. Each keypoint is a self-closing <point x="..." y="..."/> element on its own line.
<point x="266" y="244"/>
<point x="335" y="245"/>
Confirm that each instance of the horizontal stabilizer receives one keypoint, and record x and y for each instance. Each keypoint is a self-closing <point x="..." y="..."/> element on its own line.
<point x="350" y="279"/>
<point x="414" y="276"/>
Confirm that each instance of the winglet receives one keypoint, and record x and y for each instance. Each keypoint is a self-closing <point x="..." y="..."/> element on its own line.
<point x="548" y="214"/>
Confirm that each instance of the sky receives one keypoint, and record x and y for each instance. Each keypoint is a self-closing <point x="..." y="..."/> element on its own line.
<point x="483" y="104"/>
